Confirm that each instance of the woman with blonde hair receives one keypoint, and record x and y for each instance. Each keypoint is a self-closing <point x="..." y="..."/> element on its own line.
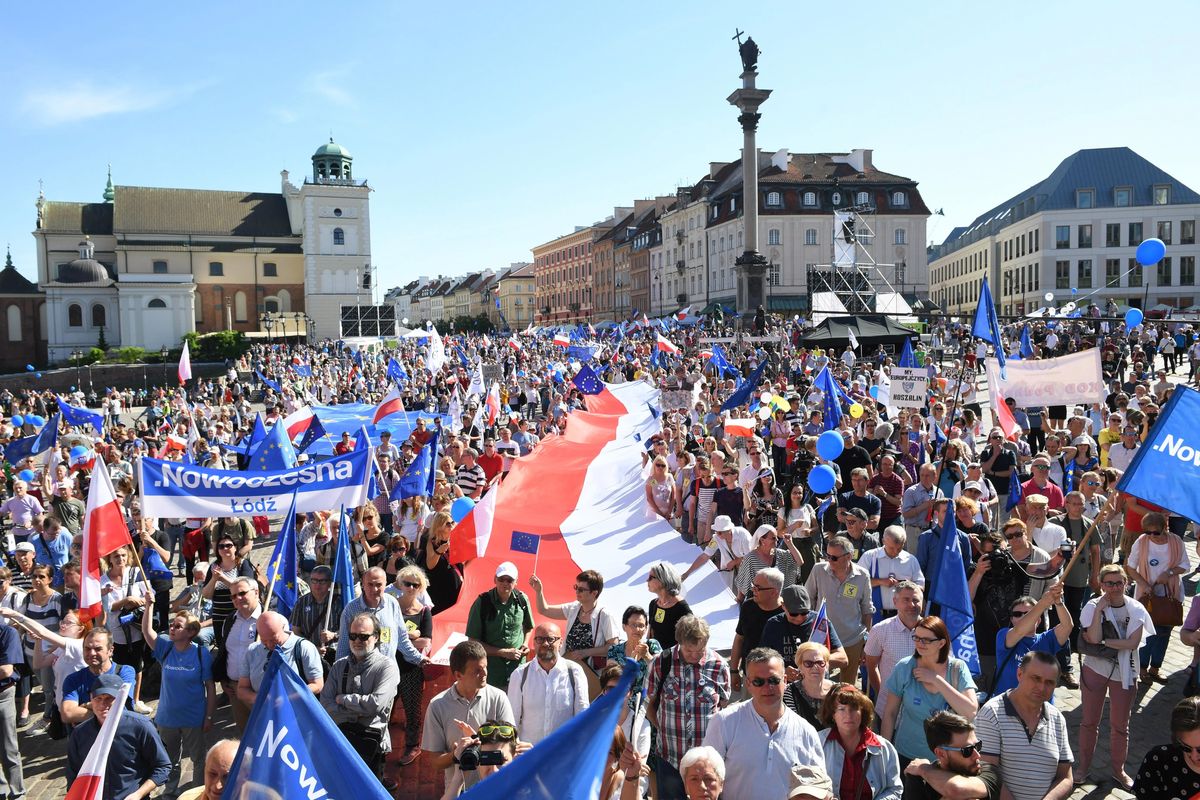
<point x="805" y="696"/>
<point x="418" y="626"/>
<point x="432" y="555"/>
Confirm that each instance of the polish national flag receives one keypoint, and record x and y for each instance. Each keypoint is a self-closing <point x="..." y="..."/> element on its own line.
<point x="493" y="403"/>
<point x="665" y="345"/>
<point x="297" y="422"/>
<point x="89" y="783"/>
<point x="591" y="330"/>
<point x="515" y="344"/>
<point x="176" y="442"/>
<point x="562" y="340"/>
<point x="469" y="538"/>
<point x="645" y="321"/>
<point x="1007" y="421"/>
<point x="104" y="532"/>
<point x="486" y="341"/>
<point x="706" y="354"/>
<point x="739" y="427"/>
<point x="391" y="404"/>
<point x="683" y="312"/>
<point x="185" y="364"/>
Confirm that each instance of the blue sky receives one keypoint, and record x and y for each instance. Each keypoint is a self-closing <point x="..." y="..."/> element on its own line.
<point x="486" y="130"/>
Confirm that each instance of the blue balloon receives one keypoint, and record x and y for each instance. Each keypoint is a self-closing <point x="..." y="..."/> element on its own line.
<point x="18" y="420"/>
<point x="1150" y="252"/>
<point x="460" y="508"/>
<point x="1133" y="318"/>
<point x="26" y="475"/>
<point x="35" y="420"/>
<point x="875" y="392"/>
<point x="822" y="478"/>
<point x="1074" y="290"/>
<point x="30" y="368"/>
<point x="39" y="374"/>
<point x="78" y="450"/>
<point x="830" y="445"/>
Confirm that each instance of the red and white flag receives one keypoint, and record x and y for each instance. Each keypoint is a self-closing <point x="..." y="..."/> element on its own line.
<point x="185" y="364"/>
<point x="683" y="312"/>
<point x="562" y="340"/>
<point x="515" y="343"/>
<point x="89" y="783"/>
<point x="391" y="404"/>
<point x="1008" y="423"/>
<point x="469" y="538"/>
<point x="591" y="330"/>
<point x="486" y="341"/>
<point x="493" y="403"/>
<point x="297" y="422"/>
<point x="665" y="345"/>
<point x="739" y="427"/>
<point x="104" y="532"/>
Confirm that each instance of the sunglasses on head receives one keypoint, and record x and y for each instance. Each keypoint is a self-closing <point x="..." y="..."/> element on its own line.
<point x="503" y="731"/>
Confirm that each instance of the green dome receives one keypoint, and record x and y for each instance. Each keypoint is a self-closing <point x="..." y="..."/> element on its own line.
<point x="332" y="149"/>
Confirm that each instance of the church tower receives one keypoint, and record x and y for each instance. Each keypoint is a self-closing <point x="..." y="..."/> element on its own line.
<point x="331" y="210"/>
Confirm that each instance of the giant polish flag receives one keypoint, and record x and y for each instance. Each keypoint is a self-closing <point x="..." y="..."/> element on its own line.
<point x="391" y="404"/>
<point x="581" y="494"/>
<point x="104" y="531"/>
<point x="89" y="783"/>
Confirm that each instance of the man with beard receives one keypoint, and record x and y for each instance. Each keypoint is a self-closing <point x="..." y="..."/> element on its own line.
<point x="958" y="771"/>
<point x="548" y="691"/>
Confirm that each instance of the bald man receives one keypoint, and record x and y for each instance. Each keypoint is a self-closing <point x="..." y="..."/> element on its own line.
<point x="548" y="691"/>
<point x="216" y="771"/>
<point x="274" y="632"/>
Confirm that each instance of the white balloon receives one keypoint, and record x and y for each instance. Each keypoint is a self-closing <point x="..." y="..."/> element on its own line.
<point x="1049" y="297"/>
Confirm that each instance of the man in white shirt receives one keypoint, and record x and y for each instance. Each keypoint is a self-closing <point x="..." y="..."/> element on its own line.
<point x="548" y="691"/>
<point x="1047" y="535"/>
<point x="891" y="640"/>
<point x="890" y="564"/>
<point x="1120" y="455"/>
<point x="761" y="738"/>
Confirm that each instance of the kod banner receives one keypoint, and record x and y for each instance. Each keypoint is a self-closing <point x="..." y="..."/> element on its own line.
<point x="1166" y="469"/>
<point x="1073" y="378"/>
<point x="175" y="489"/>
<point x="910" y="387"/>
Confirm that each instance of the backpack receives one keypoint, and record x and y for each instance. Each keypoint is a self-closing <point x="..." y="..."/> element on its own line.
<point x="488" y="610"/>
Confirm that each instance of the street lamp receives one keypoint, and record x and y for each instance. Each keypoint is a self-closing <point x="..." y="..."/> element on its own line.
<point x="163" y="352"/>
<point x="77" y="356"/>
<point x="268" y="323"/>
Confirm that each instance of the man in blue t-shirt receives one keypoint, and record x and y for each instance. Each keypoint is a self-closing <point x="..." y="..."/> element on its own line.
<point x="1013" y="643"/>
<point x="77" y="688"/>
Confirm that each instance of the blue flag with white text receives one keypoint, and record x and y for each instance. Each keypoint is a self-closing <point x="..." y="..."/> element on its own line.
<point x="1165" y="470"/>
<point x="291" y="747"/>
<point x="950" y="591"/>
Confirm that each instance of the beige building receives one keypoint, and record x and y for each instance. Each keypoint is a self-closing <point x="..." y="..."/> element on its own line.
<point x="1078" y="229"/>
<point x="517" y="290"/>
<point x="683" y="276"/>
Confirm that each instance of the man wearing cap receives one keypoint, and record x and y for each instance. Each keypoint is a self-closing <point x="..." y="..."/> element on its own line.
<point x="810" y="783"/>
<point x="855" y="520"/>
<point x="137" y="762"/>
<point x="979" y="489"/>
<point x="67" y="508"/>
<point x="784" y="632"/>
<point x="1040" y="484"/>
<point x="500" y="619"/>
<point x="890" y="564"/>
<point x="726" y="549"/>
<point x="1047" y="535"/>
<point x="858" y="497"/>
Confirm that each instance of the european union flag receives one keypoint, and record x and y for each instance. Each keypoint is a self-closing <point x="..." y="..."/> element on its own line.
<point x="395" y="371"/>
<point x="719" y="361"/>
<point x="314" y="432"/>
<point x="282" y="568"/>
<point x="40" y="442"/>
<point x="415" y="481"/>
<point x="291" y="748"/>
<point x="587" y="381"/>
<point x="80" y="416"/>
<point x="267" y="381"/>
<point x="343" y="566"/>
<point x="257" y="433"/>
<point x="432" y="444"/>
<point x="907" y="359"/>
<point x="986" y="326"/>
<point x="1015" y="493"/>
<point x="831" y="406"/>
<point x="525" y="542"/>
<point x="275" y="452"/>
<point x="1026" y="344"/>
<point x="741" y="395"/>
<point x="462" y="357"/>
<point x="951" y="593"/>
<point x="569" y="763"/>
<point x="303" y="370"/>
<point x="357" y="359"/>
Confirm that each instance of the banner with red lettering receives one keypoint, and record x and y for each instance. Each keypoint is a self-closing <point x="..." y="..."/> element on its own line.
<point x="1073" y="378"/>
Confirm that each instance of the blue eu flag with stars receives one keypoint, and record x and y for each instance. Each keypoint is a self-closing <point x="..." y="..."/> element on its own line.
<point x="587" y="381"/>
<point x="523" y="542"/>
<point x="281" y="569"/>
<point x="415" y="481"/>
<point x="274" y="452"/>
<point x="315" y="431"/>
<point x="395" y="371"/>
<point x="269" y="382"/>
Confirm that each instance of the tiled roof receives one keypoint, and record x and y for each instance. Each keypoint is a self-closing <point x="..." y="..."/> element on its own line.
<point x="820" y="168"/>
<point x="93" y="219"/>
<point x="13" y="282"/>
<point x="141" y="209"/>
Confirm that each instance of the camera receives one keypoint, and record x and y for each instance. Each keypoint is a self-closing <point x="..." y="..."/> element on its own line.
<point x="475" y="757"/>
<point x="1001" y="561"/>
<point x="1067" y="548"/>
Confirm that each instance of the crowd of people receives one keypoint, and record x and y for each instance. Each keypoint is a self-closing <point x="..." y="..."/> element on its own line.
<point x="1073" y="583"/>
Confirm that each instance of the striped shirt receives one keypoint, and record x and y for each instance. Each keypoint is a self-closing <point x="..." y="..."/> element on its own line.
<point x="1030" y="760"/>
<point x="889" y="641"/>
<point x="688" y="697"/>
<point x="470" y="478"/>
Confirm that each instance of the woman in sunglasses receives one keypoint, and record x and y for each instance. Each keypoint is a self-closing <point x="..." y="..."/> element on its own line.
<point x="409" y="589"/>
<point x="806" y="695"/>
<point x="854" y="755"/>
<point x="221" y="574"/>
<point x="123" y="588"/>
<point x="1172" y="771"/>
<point x="432" y="555"/>
<point x="925" y="682"/>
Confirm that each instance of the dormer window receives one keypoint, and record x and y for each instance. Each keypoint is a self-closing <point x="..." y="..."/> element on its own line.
<point x="862" y="198"/>
<point x="1122" y="196"/>
<point x="810" y="199"/>
<point x="899" y="200"/>
<point x="774" y="199"/>
<point x="1085" y="198"/>
<point x="1161" y="195"/>
<point x="836" y="197"/>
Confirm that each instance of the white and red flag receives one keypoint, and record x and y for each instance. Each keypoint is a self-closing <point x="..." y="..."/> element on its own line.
<point x="469" y="538"/>
<point x="665" y="345"/>
<point x="493" y="403"/>
<point x="185" y="364"/>
<point x="104" y="532"/>
<point x="89" y="783"/>
<point x="683" y="312"/>
<point x="740" y="427"/>
<point x="297" y="422"/>
<point x="391" y="404"/>
<point x="562" y="340"/>
<point x="515" y="343"/>
<point x="1008" y="423"/>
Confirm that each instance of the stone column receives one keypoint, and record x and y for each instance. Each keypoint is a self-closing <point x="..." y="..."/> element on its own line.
<point x="751" y="266"/>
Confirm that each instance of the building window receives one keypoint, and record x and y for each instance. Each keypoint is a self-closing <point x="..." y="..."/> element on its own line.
<point x="1187" y="231"/>
<point x="156" y="303"/>
<point x="339" y="236"/>
<point x="1121" y="196"/>
<point x="1085" y="273"/>
<point x="899" y="200"/>
<point x="810" y="199"/>
<point x="99" y="316"/>
<point x="159" y="267"/>
<point x="239" y="307"/>
<point x="1135" y="272"/>
<point x="1164" y="272"/>
<point x="14" y="323"/>
<point x="1062" y="274"/>
<point x="774" y="276"/>
<point x="1161" y="195"/>
<point x="862" y="198"/>
<point x="216" y="269"/>
<point x="1135" y="234"/>
<point x="1062" y="237"/>
<point x="271" y="305"/>
<point x="836" y="197"/>
<point x="1034" y="236"/>
<point x="1112" y="234"/>
<point x="1085" y="198"/>
<point x="270" y="270"/>
<point x="1112" y="272"/>
<point x="810" y="236"/>
<point x="773" y="237"/>
<point x="1187" y="270"/>
<point x="774" y="199"/>
<point x="901" y="236"/>
<point x="1164" y="231"/>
